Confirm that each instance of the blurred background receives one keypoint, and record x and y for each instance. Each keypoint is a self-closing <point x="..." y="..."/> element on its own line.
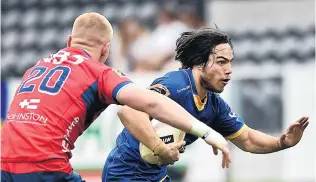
<point x="273" y="72"/>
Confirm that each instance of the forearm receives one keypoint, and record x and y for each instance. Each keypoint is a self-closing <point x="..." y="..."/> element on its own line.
<point x="261" y="143"/>
<point x="163" y="109"/>
<point x="169" y="112"/>
<point x="139" y="125"/>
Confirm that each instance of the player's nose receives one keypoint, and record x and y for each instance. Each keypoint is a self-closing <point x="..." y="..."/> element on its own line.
<point x="228" y="69"/>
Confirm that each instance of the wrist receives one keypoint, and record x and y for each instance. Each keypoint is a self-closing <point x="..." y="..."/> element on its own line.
<point x="199" y="128"/>
<point x="280" y="146"/>
<point x="159" y="148"/>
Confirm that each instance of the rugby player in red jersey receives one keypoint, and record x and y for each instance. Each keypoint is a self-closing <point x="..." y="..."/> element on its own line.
<point x="62" y="94"/>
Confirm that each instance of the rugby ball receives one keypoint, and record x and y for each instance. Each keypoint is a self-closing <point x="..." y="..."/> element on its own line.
<point x="167" y="134"/>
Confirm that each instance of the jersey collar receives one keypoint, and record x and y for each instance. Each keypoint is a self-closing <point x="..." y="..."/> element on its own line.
<point x="78" y="50"/>
<point x="196" y="98"/>
<point x="86" y="52"/>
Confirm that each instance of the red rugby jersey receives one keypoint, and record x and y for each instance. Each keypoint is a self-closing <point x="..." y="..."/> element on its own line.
<point x="57" y="100"/>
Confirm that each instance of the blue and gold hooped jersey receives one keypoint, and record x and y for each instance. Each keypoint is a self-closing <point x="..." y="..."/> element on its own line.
<point x="180" y="87"/>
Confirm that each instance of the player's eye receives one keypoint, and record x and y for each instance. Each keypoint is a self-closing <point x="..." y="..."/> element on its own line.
<point x="221" y="62"/>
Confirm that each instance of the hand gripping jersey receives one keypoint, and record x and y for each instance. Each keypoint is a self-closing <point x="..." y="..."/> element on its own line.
<point x="57" y="100"/>
<point x="125" y="162"/>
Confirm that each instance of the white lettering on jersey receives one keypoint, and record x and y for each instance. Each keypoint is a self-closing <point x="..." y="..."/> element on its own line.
<point x="27" y="118"/>
<point x="62" y="56"/>
<point x="31" y="104"/>
<point x="65" y="143"/>
<point x="183" y="89"/>
<point x="71" y="126"/>
<point x="232" y="115"/>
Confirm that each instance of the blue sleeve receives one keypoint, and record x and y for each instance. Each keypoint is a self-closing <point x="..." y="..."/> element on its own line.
<point x="165" y="86"/>
<point x="117" y="89"/>
<point x="227" y="123"/>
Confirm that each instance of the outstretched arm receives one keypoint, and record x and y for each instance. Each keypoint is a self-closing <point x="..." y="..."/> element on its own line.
<point x="260" y="143"/>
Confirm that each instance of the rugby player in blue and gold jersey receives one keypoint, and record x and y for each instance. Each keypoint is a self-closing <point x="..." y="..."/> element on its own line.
<point x="206" y="56"/>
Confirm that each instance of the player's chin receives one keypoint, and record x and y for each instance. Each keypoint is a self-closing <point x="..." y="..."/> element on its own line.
<point x="221" y="86"/>
<point x="219" y="89"/>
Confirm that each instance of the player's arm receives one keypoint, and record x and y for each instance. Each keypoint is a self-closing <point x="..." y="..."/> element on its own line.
<point x="245" y="138"/>
<point x="257" y="142"/>
<point x="114" y="87"/>
<point x="161" y="108"/>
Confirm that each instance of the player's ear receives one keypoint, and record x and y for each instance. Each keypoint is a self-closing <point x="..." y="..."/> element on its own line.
<point x="69" y="41"/>
<point x="105" y="52"/>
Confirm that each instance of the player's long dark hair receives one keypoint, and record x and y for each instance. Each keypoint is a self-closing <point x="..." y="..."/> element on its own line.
<point x="193" y="48"/>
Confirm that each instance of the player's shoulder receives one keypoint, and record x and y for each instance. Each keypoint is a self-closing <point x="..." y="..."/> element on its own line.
<point x="173" y="83"/>
<point x="94" y="64"/>
<point x="172" y="79"/>
<point x="97" y="67"/>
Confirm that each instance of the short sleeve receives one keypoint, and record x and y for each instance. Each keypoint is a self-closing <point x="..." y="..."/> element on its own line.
<point x="165" y="86"/>
<point x="227" y="123"/>
<point x="110" y="83"/>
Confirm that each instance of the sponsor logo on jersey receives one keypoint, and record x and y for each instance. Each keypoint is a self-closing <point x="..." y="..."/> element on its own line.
<point x="232" y="115"/>
<point x="167" y="139"/>
<point x="71" y="126"/>
<point x="27" y="118"/>
<point x="183" y="89"/>
<point x="65" y="143"/>
<point x="29" y="104"/>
